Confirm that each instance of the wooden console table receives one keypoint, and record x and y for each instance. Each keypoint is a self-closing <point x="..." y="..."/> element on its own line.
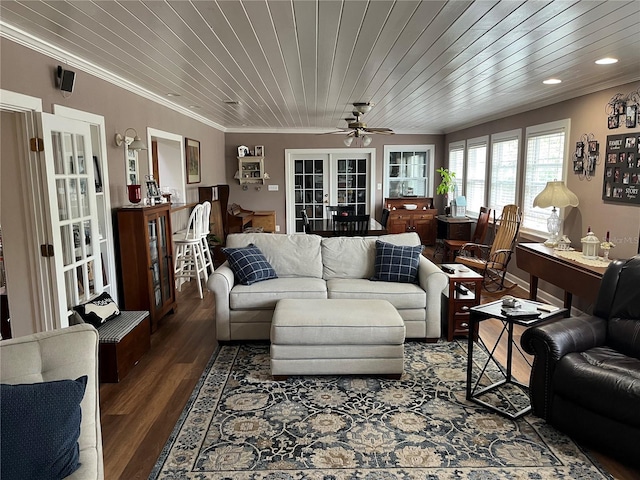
<point x="573" y="277"/>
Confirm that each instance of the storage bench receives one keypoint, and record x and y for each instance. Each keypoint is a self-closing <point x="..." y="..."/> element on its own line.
<point x="123" y="342"/>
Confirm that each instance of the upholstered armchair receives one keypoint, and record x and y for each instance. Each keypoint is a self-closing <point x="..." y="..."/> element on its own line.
<point x="586" y="372"/>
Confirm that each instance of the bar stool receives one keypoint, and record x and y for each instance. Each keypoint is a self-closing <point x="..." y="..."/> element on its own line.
<point x="204" y="239"/>
<point x="189" y="259"/>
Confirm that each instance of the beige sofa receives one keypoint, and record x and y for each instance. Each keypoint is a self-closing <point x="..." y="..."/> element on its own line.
<point x="68" y="353"/>
<point x="312" y="267"/>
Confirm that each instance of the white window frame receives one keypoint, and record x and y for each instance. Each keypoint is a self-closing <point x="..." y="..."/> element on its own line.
<point x="459" y="180"/>
<point x="430" y="154"/>
<point x="495" y="139"/>
<point x="563" y="126"/>
<point x="475" y="143"/>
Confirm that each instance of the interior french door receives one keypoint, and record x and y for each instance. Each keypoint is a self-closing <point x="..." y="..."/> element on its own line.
<point x="316" y="179"/>
<point x="72" y="241"/>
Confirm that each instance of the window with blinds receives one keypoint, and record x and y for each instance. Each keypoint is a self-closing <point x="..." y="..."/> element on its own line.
<point x="544" y="162"/>
<point x="504" y="169"/>
<point x="476" y="177"/>
<point x="456" y="164"/>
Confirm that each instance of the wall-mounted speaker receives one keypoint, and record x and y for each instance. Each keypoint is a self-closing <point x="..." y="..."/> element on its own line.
<point x="66" y="79"/>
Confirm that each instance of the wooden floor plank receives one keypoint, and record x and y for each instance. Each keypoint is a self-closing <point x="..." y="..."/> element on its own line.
<point x="139" y="413"/>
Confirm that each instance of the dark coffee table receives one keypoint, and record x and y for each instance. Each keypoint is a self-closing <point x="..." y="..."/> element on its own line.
<point x="494" y="310"/>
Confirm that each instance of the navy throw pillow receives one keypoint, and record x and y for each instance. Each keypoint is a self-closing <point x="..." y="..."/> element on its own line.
<point x="40" y="429"/>
<point x="249" y="264"/>
<point x="99" y="310"/>
<point x="396" y="263"/>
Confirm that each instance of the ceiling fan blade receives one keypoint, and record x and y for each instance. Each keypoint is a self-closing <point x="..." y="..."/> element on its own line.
<point x="340" y="130"/>
<point x="383" y="131"/>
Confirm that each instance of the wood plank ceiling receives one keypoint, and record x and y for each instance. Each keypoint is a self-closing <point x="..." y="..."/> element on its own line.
<point x="297" y="65"/>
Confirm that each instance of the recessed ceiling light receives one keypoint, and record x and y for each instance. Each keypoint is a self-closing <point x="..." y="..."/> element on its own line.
<point x="194" y="106"/>
<point x="232" y="102"/>
<point x="607" y="61"/>
<point x="170" y="94"/>
<point x="552" y="81"/>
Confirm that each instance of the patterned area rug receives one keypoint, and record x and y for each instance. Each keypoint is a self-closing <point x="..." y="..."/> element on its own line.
<point x="240" y="424"/>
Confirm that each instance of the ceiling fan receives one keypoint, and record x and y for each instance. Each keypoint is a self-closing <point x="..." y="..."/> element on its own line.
<point x="356" y="128"/>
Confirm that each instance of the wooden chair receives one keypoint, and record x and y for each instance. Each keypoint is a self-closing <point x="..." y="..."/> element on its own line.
<point x="305" y="221"/>
<point x="451" y="247"/>
<point x="384" y="218"/>
<point x="492" y="261"/>
<point x="333" y="210"/>
<point x="350" y="225"/>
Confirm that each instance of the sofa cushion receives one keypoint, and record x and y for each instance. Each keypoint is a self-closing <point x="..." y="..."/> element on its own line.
<point x="585" y="378"/>
<point x="290" y="255"/>
<point x="400" y="295"/>
<point x="249" y="265"/>
<point x="348" y="257"/>
<point x="265" y="295"/>
<point x="40" y="429"/>
<point x="98" y="311"/>
<point x="395" y="263"/>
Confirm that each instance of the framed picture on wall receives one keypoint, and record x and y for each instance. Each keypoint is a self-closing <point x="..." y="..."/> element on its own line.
<point x="192" y="156"/>
<point x="259" y="151"/>
<point x="632" y="112"/>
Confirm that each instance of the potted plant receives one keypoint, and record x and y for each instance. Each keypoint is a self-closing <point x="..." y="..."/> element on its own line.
<point x="447" y="185"/>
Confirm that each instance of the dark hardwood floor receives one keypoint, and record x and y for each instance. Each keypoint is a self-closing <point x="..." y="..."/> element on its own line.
<point x="139" y="413"/>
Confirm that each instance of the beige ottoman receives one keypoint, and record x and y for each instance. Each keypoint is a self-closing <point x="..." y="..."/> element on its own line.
<point x="336" y="336"/>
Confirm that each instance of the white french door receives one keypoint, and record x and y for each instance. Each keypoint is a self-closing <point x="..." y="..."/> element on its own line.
<point x="73" y="235"/>
<point x="317" y="178"/>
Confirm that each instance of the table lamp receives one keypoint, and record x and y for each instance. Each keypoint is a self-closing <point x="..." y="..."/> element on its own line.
<point x="556" y="195"/>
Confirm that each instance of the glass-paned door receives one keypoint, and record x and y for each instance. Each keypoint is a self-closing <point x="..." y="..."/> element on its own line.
<point x="352" y="185"/>
<point x="73" y="232"/>
<point x="310" y="195"/>
<point x="316" y="180"/>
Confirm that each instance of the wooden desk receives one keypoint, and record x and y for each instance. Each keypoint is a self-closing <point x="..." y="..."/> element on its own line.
<point x="573" y="277"/>
<point x="324" y="228"/>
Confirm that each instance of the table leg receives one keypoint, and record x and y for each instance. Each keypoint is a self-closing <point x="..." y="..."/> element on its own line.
<point x="472" y="325"/>
<point x="533" y="287"/>
<point x="509" y="349"/>
<point x="568" y="296"/>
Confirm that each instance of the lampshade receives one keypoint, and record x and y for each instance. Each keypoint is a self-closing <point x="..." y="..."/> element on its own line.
<point x="366" y="140"/>
<point x="348" y="141"/>
<point x="555" y="194"/>
<point x="136" y="144"/>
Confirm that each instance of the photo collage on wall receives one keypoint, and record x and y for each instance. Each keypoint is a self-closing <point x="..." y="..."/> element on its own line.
<point x="622" y="169"/>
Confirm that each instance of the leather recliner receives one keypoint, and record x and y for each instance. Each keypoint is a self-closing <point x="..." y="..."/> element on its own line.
<point x="585" y="378"/>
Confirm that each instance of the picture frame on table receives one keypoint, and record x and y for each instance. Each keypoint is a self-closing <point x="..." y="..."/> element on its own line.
<point x="152" y="189"/>
<point x="192" y="157"/>
<point x="259" y="151"/>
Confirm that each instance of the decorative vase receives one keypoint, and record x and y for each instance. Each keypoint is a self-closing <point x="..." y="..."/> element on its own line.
<point x="135" y="193"/>
<point x="605" y="254"/>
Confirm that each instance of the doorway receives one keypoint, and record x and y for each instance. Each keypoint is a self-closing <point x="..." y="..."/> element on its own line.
<point x="167" y="163"/>
<point x="318" y="178"/>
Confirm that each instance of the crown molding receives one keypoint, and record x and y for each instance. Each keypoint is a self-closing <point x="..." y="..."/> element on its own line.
<point x="32" y="42"/>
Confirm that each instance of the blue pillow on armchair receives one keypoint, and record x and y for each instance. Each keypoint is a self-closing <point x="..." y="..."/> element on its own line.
<point x="40" y="429"/>
<point x="249" y="264"/>
<point x="396" y="263"/>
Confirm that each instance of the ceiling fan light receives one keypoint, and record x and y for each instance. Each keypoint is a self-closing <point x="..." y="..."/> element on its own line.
<point x="366" y="140"/>
<point x="348" y="141"/>
<point x="363" y="107"/>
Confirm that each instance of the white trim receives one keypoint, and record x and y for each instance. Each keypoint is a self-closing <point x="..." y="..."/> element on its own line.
<point x="34" y="43"/>
<point x="508" y="135"/>
<point x="172" y="137"/>
<point x="17" y="102"/>
<point x="477" y="141"/>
